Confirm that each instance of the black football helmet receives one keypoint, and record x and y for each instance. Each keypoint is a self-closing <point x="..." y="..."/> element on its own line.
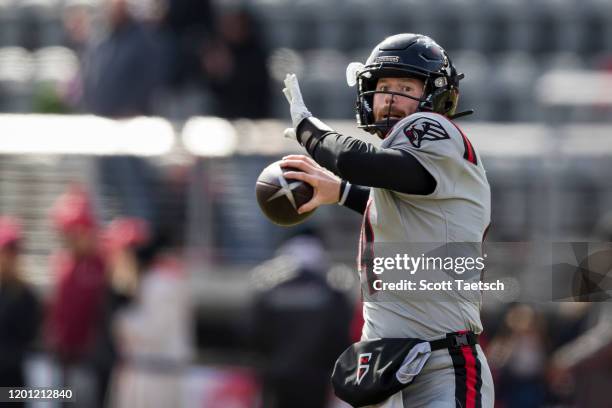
<point x="412" y="56"/>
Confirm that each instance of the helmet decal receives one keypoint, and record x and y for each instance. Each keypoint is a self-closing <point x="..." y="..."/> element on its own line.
<point x="387" y="58"/>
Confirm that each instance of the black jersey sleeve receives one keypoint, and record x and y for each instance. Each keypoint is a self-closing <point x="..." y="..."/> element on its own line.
<point x="363" y="163"/>
<point x="357" y="198"/>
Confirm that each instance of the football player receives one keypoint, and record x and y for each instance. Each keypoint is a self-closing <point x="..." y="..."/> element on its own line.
<point x="424" y="184"/>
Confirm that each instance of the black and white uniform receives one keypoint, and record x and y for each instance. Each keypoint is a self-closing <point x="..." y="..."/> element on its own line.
<point x="427" y="185"/>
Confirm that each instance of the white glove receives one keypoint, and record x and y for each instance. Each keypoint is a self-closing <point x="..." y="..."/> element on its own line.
<point x="294" y="97"/>
<point x="289" y="133"/>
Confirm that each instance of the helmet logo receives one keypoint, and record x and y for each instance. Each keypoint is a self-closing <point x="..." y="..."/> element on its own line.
<point x="363" y="366"/>
<point x="387" y="58"/>
<point x="428" y="42"/>
<point x="424" y="128"/>
<point x="440" y="82"/>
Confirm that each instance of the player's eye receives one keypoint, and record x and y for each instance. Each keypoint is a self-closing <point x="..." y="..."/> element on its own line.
<point x="383" y="88"/>
<point x="407" y="89"/>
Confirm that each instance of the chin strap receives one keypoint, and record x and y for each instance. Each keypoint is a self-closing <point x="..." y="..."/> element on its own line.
<point x="461" y="114"/>
<point x="383" y="127"/>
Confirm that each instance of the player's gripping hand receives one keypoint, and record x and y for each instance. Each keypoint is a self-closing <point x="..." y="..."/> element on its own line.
<point x="326" y="184"/>
<point x="296" y="102"/>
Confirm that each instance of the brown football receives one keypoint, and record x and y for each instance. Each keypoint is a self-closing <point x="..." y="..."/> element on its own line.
<point x="279" y="198"/>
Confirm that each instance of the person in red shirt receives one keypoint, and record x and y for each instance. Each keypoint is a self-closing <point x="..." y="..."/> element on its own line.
<point x="75" y="331"/>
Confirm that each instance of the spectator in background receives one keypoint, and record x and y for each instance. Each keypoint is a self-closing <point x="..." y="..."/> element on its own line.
<point x="76" y="21"/>
<point x="234" y="65"/>
<point x="582" y="368"/>
<point x="121" y="76"/>
<point x="189" y="24"/>
<point x="301" y="325"/>
<point x="19" y="309"/>
<point x="122" y="238"/>
<point x="122" y="73"/>
<point x="155" y="331"/>
<point x="517" y="355"/>
<point x="76" y="331"/>
<point x="77" y="32"/>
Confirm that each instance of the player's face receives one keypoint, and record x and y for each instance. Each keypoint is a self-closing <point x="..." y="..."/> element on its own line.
<point x="400" y="106"/>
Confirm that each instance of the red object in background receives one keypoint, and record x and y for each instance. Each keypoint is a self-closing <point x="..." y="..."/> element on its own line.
<point x="76" y="309"/>
<point x="127" y="232"/>
<point x="234" y="388"/>
<point x="73" y="211"/>
<point x="10" y="231"/>
<point x="170" y="265"/>
<point x="357" y="322"/>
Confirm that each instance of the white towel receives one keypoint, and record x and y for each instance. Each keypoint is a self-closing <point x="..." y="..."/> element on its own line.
<point x="413" y="363"/>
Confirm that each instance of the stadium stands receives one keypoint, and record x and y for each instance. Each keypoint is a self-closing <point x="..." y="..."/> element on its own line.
<point x="510" y="44"/>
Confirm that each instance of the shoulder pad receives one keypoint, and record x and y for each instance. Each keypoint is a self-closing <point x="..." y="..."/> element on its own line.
<point x="422" y="126"/>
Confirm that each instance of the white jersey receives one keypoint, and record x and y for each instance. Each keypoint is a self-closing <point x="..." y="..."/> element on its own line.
<point x="458" y="211"/>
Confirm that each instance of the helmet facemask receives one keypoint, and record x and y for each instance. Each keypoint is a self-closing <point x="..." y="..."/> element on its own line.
<point x="365" y="104"/>
<point x="367" y="80"/>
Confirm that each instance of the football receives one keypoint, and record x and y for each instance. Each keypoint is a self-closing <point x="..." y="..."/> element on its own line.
<point x="279" y="198"/>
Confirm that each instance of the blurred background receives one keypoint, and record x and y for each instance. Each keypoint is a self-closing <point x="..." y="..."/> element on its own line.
<point x="135" y="265"/>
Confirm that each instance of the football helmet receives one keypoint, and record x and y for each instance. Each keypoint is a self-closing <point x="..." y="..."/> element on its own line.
<point x="405" y="55"/>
